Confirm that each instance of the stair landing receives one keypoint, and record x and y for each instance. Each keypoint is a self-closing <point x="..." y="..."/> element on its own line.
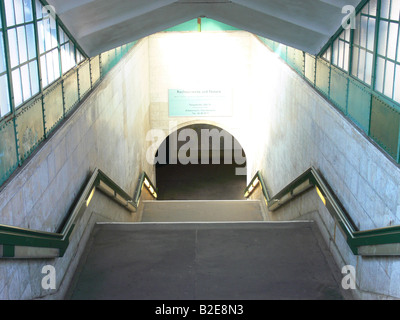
<point x="202" y="211"/>
<point x="207" y="261"/>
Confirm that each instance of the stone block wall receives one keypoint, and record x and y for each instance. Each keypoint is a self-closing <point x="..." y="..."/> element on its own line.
<point x="298" y="129"/>
<point x="106" y="132"/>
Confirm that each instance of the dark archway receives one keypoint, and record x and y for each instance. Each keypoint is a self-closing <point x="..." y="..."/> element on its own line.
<point x="201" y="162"/>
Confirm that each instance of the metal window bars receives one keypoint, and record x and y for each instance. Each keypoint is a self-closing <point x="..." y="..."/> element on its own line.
<point x="375" y="242"/>
<point x="43" y="77"/>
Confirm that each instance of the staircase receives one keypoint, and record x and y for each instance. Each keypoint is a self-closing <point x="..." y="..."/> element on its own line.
<point x="206" y="250"/>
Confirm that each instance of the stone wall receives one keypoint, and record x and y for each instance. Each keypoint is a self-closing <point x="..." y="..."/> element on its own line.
<point x="107" y="132"/>
<point x="298" y="129"/>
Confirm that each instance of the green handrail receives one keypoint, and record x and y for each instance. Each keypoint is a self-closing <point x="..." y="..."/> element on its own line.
<point x="374" y="242"/>
<point x="25" y="243"/>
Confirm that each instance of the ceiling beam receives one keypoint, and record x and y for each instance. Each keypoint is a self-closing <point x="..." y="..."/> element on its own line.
<point x="100" y="25"/>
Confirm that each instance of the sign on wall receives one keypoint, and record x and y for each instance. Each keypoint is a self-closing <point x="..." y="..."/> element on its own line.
<point x="200" y="103"/>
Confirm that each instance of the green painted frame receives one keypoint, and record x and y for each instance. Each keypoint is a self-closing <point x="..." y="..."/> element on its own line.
<point x="387" y="103"/>
<point x="374" y="242"/>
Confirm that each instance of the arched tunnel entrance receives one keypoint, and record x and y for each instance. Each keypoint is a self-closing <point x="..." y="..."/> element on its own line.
<point x="201" y="162"/>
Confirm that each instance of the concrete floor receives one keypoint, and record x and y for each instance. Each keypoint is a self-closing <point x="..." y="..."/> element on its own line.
<point x="200" y="182"/>
<point x="217" y="261"/>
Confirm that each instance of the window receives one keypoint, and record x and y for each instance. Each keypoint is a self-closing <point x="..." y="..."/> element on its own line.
<point x="364" y="43"/>
<point x="22" y="47"/>
<point x="341" y="50"/>
<point x="4" y="95"/>
<point x="48" y="45"/>
<point x="388" y="55"/>
<point x="34" y="41"/>
<point x="67" y="52"/>
<point x="327" y="54"/>
<point x="79" y="57"/>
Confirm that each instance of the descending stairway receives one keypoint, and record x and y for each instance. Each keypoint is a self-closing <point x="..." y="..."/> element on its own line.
<point x="199" y="250"/>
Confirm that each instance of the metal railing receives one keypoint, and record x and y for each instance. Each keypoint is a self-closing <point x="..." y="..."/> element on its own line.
<point x="374" y="242"/>
<point x="32" y="123"/>
<point x="25" y="243"/>
<point x="373" y="113"/>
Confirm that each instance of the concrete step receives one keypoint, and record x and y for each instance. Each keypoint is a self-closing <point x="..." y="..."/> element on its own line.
<point x="207" y="261"/>
<point x="202" y="211"/>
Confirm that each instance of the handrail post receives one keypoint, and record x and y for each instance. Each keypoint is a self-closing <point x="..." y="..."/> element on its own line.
<point x="384" y="240"/>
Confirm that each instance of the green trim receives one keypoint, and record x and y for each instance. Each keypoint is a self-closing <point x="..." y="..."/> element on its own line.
<point x="10" y="236"/>
<point x="8" y="251"/>
<point x="9" y="77"/>
<point x="39" y="66"/>
<point x="341" y="29"/>
<point x="139" y="188"/>
<point x="378" y="22"/>
<point x="201" y="24"/>
<point x="11" y="117"/>
<point x="344" y="109"/>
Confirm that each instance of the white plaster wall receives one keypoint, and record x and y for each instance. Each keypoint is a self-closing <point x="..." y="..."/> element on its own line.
<point x="297" y="129"/>
<point x="189" y="61"/>
<point x="107" y="132"/>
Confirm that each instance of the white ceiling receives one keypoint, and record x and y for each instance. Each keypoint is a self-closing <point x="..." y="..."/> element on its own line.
<point x="100" y="25"/>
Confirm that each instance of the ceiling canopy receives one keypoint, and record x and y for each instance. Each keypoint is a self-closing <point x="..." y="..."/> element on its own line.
<point x="100" y="25"/>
